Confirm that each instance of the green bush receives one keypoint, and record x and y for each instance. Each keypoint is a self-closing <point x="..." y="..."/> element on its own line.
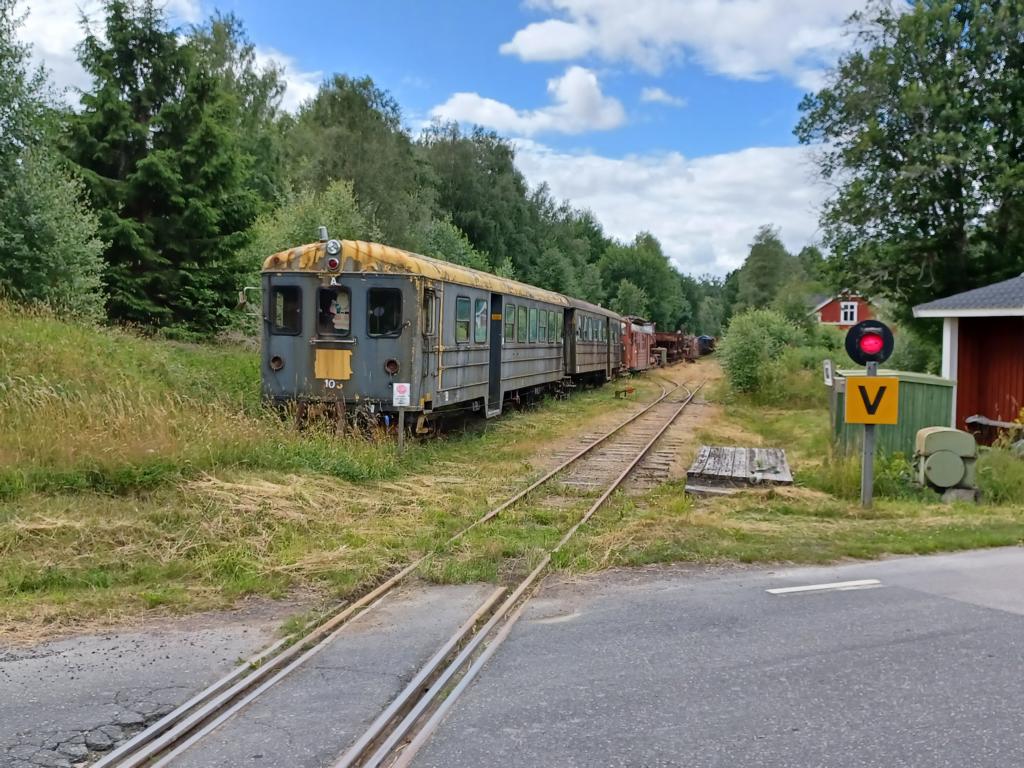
<point x="1001" y="477"/>
<point x="752" y="344"/>
<point x="840" y="477"/>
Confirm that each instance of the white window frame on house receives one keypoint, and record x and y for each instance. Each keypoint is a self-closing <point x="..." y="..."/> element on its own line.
<point x="848" y="307"/>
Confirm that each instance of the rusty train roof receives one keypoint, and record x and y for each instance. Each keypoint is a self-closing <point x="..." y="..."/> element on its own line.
<point x="359" y="256"/>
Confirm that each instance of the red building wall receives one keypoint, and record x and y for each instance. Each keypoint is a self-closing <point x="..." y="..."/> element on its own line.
<point x="990" y="368"/>
<point x="832" y="312"/>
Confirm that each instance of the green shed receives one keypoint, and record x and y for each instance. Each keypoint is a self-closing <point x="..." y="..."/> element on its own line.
<point x="925" y="401"/>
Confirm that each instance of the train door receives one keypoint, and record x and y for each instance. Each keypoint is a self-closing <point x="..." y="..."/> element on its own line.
<point x="609" y="340"/>
<point x="494" y="368"/>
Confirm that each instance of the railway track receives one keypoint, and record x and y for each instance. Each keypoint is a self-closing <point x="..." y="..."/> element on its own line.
<point x="600" y="467"/>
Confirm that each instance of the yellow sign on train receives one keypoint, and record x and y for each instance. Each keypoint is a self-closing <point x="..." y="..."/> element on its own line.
<point x="872" y="400"/>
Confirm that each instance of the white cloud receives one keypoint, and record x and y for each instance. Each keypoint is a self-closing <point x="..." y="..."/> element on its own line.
<point x="579" y="105"/>
<point x="300" y="85"/>
<point x="661" y="96"/>
<point x="54" y="28"/>
<point x="705" y="211"/>
<point x="746" y="39"/>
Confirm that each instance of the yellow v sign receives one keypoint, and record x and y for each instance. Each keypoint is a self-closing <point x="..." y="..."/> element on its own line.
<point x="872" y="400"/>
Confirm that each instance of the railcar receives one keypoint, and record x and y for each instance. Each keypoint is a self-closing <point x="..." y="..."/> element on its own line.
<point x="368" y="328"/>
<point x="637" y="343"/>
<point x="594" y="351"/>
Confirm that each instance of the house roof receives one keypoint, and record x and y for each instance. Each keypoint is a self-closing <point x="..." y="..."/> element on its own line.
<point x="820" y="300"/>
<point x="1005" y="299"/>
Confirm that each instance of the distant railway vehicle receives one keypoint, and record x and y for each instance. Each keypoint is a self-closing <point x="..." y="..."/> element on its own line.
<point x="637" y="343"/>
<point x="367" y="328"/>
<point x="678" y="345"/>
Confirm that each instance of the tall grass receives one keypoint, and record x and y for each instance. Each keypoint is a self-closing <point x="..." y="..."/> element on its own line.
<point x="97" y="409"/>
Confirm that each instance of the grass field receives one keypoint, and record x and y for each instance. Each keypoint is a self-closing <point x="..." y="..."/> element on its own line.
<point x="819" y="520"/>
<point x="143" y="474"/>
<point x="142" y="477"/>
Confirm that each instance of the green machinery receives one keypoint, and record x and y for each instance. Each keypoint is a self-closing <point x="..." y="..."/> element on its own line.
<point x="945" y="459"/>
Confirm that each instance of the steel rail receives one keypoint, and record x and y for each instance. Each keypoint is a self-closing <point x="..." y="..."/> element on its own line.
<point x="221" y="699"/>
<point x="415" y="701"/>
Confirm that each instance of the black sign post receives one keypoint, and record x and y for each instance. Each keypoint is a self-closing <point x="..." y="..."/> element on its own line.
<point x="868" y="343"/>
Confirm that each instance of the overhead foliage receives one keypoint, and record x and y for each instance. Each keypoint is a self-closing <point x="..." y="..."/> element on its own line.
<point x="921" y="130"/>
<point x="165" y="167"/>
<point x="49" y="246"/>
<point x="353" y="130"/>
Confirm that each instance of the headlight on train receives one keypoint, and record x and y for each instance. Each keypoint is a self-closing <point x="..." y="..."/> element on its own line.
<point x="276" y="363"/>
<point x="333" y="247"/>
<point x="391" y="366"/>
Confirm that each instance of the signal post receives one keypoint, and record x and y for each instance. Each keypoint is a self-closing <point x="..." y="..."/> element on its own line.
<point x="874" y="399"/>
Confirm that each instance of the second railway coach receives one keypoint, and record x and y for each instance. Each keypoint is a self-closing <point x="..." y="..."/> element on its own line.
<point x="594" y="342"/>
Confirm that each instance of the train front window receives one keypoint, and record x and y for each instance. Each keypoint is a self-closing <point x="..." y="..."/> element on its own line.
<point x="510" y="322"/>
<point x="286" y="310"/>
<point x="383" y="312"/>
<point x="334" y="317"/>
<point x="461" y="320"/>
<point x="480" y="321"/>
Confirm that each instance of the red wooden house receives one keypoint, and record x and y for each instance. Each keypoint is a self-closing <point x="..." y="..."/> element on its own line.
<point x="843" y="310"/>
<point x="983" y="352"/>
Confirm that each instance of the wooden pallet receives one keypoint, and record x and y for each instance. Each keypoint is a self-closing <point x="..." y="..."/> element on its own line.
<point x="720" y="470"/>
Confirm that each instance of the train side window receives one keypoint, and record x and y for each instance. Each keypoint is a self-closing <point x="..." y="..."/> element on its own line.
<point x="559" y="320"/>
<point x="510" y="322"/>
<point x="462" y="320"/>
<point x="383" y="311"/>
<point x="522" y="324"/>
<point x="334" y="317"/>
<point x="542" y="326"/>
<point x="551" y="326"/>
<point x="533" y="323"/>
<point x="480" y="321"/>
<point x="429" y="312"/>
<point x="286" y="309"/>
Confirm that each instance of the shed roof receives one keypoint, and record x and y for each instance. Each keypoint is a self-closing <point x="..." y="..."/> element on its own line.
<point x="1005" y="299"/>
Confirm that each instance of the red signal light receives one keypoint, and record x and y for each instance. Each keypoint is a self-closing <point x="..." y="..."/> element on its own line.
<point x="333" y="263"/>
<point x="871" y="343"/>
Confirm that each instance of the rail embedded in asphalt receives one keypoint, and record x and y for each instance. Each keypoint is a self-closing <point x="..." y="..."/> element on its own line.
<point x="169" y="737"/>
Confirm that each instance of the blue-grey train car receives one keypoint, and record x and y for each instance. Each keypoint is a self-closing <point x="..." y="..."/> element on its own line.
<point x="364" y="325"/>
<point x="594" y="351"/>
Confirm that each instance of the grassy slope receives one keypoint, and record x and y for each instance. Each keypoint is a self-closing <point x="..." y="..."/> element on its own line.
<point x="817" y="521"/>
<point x="141" y="474"/>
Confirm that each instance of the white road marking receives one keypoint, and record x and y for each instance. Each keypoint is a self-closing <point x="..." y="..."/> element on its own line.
<point x="838" y="585"/>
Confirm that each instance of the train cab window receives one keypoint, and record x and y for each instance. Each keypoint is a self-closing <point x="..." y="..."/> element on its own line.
<point x="462" y="320"/>
<point x="533" y="323"/>
<point x="429" y="313"/>
<point x="286" y="310"/>
<point x="384" y="311"/>
<point x="522" y="324"/>
<point x="510" y="322"/>
<point x="542" y="326"/>
<point x="480" y="321"/>
<point x="334" y="316"/>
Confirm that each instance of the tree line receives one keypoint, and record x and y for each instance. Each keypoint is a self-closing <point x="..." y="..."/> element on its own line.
<point x="154" y="200"/>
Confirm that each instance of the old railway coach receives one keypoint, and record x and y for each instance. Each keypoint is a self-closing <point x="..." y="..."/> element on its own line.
<point x="362" y="325"/>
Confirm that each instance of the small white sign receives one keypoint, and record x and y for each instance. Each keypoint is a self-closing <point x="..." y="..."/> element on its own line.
<point x="400" y="394"/>
<point x="828" y="373"/>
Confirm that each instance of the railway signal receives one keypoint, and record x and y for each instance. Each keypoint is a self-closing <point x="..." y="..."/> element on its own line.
<point x="873" y="399"/>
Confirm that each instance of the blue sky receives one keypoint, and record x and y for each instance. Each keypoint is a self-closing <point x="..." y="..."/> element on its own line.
<point x="672" y="116"/>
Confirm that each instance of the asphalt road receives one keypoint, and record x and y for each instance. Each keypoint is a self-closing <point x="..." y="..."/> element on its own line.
<point x="688" y="667"/>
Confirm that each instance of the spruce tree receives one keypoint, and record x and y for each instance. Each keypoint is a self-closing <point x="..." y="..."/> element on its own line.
<point x="154" y="143"/>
